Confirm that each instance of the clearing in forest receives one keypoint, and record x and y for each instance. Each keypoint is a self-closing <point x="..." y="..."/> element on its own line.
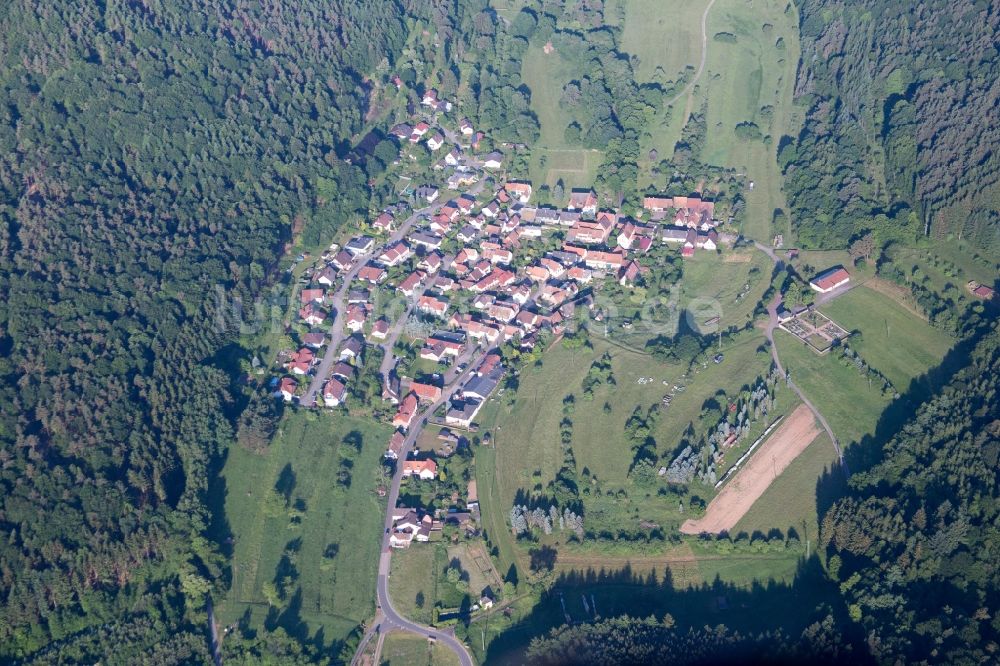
<point x="736" y="497"/>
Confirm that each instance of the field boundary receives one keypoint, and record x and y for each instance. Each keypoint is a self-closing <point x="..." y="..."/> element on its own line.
<point x="749" y="484"/>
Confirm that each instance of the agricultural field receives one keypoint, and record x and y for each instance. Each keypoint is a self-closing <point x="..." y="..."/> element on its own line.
<point x="526" y="432"/>
<point x="893" y="340"/>
<point x="403" y="649"/>
<point x="293" y="535"/>
<point x="790" y="501"/>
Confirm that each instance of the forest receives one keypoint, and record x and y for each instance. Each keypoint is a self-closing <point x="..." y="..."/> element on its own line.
<point x="901" y="123"/>
<point x="151" y="152"/>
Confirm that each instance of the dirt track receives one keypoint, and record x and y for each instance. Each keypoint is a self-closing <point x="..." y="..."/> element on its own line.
<point x="774" y="455"/>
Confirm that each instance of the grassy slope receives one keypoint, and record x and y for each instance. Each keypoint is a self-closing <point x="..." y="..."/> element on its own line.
<point x="647" y="22"/>
<point x="739" y="80"/>
<point x="340" y="597"/>
<point x="894" y="341"/>
<point x="546" y="75"/>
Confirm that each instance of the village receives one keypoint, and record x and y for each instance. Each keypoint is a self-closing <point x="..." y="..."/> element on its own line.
<point x="483" y="266"/>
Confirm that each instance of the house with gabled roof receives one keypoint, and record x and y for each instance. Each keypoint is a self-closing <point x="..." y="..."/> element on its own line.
<point x="422" y="469"/>
<point x="395" y="254"/>
<point x="410" y="283"/>
<point x="312" y="315"/>
<point x="334" y="393"/>
<point x="385" y="222"/>
<point x="425" y="392"/>
<point x="519" y="190"/>
<point x="584" y="201"/>
<point x="395" y="447"/>
<point x="287" y="388"/>
<point x="407" y="410"/>
<point x="372" y="274"/>
<point x="432" y="305"/>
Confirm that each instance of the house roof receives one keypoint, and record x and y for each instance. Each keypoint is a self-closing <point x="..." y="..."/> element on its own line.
<point x="831" y="278"/>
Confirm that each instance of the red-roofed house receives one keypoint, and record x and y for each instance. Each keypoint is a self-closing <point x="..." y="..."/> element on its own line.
<point x="829" y="280"/>
<point x="395" y="445"/>
<point x="426" y="392"/>
<point x="432" y="305"/>
<point x="384" y="222"/>
<point x="334" y="393"/>
<point x="584" y="201"/>
<point x="407" y="410"/>
<point x="287" y="388"/>
<point x="424" y="469"/>
<point x="372" y="274"/>
<point x="519" y="190"/>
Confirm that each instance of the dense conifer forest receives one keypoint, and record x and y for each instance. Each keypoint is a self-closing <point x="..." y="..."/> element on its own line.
<point x="149" y="153"/>
<point x="902" y="121"/>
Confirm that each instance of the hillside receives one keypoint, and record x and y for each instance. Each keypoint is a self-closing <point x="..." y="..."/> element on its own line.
<point x="888" y="144"/>
<point x="155" y="159"/>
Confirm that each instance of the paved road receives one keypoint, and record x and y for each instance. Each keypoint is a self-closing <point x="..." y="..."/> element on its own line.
<point x="704" y="55"/>
<point x="214" y="633"/>
<point x="337" y="329"/>
<point x="772" y="323"/>
<point x="389" y="618"/>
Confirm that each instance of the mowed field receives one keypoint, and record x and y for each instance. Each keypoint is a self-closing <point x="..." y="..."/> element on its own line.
<point x="551" y="158"/>
<point x="403" y="649"/>
<point x="286" y="511"/>
<point x="895" y="341"/>
<point x="749" y="483"/>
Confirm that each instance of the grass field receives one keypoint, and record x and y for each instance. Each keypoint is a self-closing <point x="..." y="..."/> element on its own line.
<point x="403" y="649"/>
<point x="412" y="574"/>
<point x="763" y="76"/>
<point x="287" y="516"/>
<point x="843" y="396"/>
<point x="737" y="286"/>
<point x="900" y="345"/>
<point x="790" y="501"/>
<point x="649" y="23"/>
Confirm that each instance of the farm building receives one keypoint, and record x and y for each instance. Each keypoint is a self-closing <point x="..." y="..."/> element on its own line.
<point x="830" y="279"/>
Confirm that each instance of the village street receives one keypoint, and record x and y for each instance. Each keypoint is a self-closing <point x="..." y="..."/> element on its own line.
<point x="387" y="618"/>
<point x="337" y="329"/>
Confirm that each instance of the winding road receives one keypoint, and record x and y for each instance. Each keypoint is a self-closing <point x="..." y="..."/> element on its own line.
<point x="388" y="618"/>
<point x="704" y="56"/>
<point x="772" y="323"/>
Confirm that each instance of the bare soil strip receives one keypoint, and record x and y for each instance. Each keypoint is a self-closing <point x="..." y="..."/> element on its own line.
<point x="774" y="455"/>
